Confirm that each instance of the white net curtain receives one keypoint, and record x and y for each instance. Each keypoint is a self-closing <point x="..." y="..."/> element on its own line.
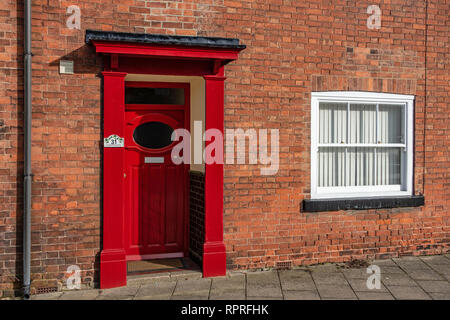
<point x="360" y="144"/>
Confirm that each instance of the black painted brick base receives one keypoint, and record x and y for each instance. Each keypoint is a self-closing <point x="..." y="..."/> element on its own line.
<point x="316" y="205"/>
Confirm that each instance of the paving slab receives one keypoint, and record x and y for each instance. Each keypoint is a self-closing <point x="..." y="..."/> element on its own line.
<point x="234" y="283"/>
<point x="361" y="286"/>
<point x="264" y="298"/>
<point x="325" y="278"/>
<point x="395" y="279"/>
<point x="158" y="288"/>
<point x="228" y="295"/>
<point x="412" y="264"/>
<point x="384" y="262"/>
<point x="368" y="295"/>
<point x="186" y="275"/>
<point x="154" y="297"/>
<point x="263" y="284"/>
<point x="360" y="273"/>
<point x="408" y="293"/>
<point x="335" y="291"/>
<point x="296" y="280"/>
<point x="425" y="275"/>
<point x="411" y="268"/>
<point x="435" y="286"/>
<point x="193" y="286"/>
<point x="442" y="269"/>
<point x="47" y="296"/>
<point x="294" y="274"/>
<point x="115" y="293"/>
<point x="114" y="297"/>
<point x="435" y="260"/>
<point x="137" y="280"/>
<point x="79" y="295"/>
<point x="439" y="296"/>
<point x="236" y="274"/>
<point x="190" y="297"/>
<point x="391" y="269"/>
<point x="301" y="295"/>
<point x="406" y="258"/>
<point x="228" y="288"/>
<point x="326" y="268"/>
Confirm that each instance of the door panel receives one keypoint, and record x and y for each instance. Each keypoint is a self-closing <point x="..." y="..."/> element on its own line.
<point x="174" y="205"/>
<point x="156" y="190"/>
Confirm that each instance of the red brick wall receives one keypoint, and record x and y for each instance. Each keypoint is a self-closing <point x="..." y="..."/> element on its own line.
<point x="10" y="146"/>
<point x="294" y="47"/>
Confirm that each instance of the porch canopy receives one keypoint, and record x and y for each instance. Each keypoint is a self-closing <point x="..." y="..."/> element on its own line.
<point x="175" y="55"/>
<point x="133" y="53"/>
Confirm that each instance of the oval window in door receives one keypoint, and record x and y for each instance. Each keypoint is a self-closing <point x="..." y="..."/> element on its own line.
<point x="153" y="135"/>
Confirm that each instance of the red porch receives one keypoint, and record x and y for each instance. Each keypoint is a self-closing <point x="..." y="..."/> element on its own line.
<point x="124" y="54"/>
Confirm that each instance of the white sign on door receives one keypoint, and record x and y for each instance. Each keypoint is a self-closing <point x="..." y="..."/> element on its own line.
<point x="113" y="141"/>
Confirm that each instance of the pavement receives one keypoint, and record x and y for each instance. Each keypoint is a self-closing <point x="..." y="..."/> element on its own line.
<point x="406" y="278"/>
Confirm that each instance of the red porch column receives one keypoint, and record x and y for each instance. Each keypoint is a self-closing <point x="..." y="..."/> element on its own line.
<point x="113" y="268"/>
<point x="214" y="257"/>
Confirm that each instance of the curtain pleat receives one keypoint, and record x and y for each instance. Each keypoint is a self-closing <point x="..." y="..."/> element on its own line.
<point x="359" y="166"/>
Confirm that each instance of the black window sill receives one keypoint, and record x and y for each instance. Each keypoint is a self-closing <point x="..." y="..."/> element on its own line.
<point x="317" y="205"/>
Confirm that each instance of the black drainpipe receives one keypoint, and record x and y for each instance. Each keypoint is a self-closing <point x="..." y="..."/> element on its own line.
<point x="27" y="151"/>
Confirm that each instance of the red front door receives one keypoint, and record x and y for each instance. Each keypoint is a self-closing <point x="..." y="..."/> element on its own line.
<point x="156" y="190"/>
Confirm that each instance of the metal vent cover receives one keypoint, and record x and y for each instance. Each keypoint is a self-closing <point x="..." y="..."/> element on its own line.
<point x="42" y="290"/>
<point x="284" y="264"/>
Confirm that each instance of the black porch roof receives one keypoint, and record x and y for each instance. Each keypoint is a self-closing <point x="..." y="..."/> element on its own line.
<point x="160" y="39"/>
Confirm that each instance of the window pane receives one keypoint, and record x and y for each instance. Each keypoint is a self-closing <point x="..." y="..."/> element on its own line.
<point x="356" y="166"/>
<point x="391" y="123"/>
<point x="360" y="164"/>
<point x="388" y="166"/>
<point x="331" y="167"/>
<point x="363" y="121"/>
<point x="332" y="122"/>
<point x="154" y="95"/>
<point x="153" y="135"/>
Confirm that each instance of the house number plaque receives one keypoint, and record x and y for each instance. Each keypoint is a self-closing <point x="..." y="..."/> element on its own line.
<point x="113" y="141"/>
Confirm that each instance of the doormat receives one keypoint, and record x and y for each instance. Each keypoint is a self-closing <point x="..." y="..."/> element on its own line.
<point x="160" y="265"/>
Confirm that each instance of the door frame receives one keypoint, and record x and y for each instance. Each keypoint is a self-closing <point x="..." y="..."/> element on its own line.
<point x="148" y="54"/>
<point x="186" y="107"/>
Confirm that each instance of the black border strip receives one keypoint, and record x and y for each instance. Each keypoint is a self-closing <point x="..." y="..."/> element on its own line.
<point x="317" y="205"/>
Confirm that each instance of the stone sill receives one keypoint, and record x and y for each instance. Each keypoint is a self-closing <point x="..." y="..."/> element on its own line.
<point x="318" y="205"/>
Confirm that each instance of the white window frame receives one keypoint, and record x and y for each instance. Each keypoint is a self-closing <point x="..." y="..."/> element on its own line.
<point x="404" y="189"/>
